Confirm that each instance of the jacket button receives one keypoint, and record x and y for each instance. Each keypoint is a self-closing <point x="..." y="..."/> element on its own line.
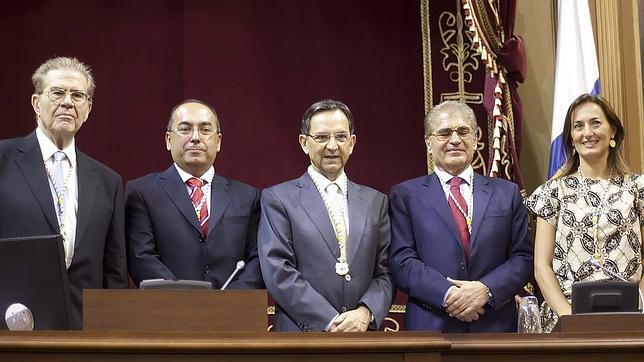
<point x="206" y="269"/>
<point x="462" y="266"/>
<point x="347" y="277"/>
<point x="344" y="309"/>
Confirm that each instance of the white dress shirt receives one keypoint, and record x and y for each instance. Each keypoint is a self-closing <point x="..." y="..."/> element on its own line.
<point x="465" y="188"/>
<point x="322" y="183"/>
<point x="48" y="148"/>
<point x="206" y="178"/>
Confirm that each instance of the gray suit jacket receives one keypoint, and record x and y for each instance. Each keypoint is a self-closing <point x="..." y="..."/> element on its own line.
<point x="298" y="251"/>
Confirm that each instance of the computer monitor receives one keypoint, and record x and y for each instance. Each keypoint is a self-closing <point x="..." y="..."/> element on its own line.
<point x="604" y="297"/>
<point x="33" y="273"/>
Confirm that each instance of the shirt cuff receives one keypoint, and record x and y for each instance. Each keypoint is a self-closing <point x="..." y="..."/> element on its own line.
<point x="446" y="294"/>
<point x="328" y="326"/>
<point x="490" y="299"/>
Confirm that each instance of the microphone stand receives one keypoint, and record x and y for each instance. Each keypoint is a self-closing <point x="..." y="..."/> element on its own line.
<point x="240" y="266"/>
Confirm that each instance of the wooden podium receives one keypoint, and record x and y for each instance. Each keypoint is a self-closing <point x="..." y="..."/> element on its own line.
<point x="601" y="322"/>
<point x="174" y="310"/>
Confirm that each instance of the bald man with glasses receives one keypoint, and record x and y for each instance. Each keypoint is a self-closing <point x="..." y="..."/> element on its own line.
<point x="188" y="222"/>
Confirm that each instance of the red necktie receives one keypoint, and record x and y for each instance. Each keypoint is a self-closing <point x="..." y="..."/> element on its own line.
<point x="199" y="202"/>
<point x="459" y="218"/>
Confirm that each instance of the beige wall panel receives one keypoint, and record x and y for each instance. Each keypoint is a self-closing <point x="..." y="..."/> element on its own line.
<point x="535" y="23"/>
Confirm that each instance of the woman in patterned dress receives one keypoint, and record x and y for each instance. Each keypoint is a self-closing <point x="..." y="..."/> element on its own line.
<point x="593" y="208"/>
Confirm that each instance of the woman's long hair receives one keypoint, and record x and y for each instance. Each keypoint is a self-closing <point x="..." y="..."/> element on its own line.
<point x="616" y="162"/>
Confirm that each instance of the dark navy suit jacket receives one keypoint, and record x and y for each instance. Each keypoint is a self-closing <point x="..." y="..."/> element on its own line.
<point x="426" y="248"/>
<point x="27" y="209"/>
<point x="164" y="237"/>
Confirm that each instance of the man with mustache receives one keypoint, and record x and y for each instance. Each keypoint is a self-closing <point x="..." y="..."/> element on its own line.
<point x="460" y="246"/>
<point x="48" y="186"/>
<point x="188" y="222"/>
<point x="323" y="239"/>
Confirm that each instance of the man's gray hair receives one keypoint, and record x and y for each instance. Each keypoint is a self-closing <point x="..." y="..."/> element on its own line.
<point x="62" y="63"/>
<point x="451" y="107"/>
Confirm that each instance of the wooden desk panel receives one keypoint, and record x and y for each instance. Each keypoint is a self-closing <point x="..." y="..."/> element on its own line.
<point x="377" y="346"/>
<point x="178" y="310"/>
<point x="116" y="346"/>
<point x="502" y="347"/>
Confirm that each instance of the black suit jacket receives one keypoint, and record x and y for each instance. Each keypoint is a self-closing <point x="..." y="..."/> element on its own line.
<point x="164" y="238"/>
<point x="28" y="210"/>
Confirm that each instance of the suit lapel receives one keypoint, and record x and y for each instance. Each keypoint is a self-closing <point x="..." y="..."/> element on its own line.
<point x="435" y="196"/>
<point x="314" y="207"/>
<point x="220" y="197"/>
<point x="482" y="194"/>
<point x="357" y="218"/>
<point x="86" y="192"/>
<point x="32" y="167"/>
<point x="171" y="183"/>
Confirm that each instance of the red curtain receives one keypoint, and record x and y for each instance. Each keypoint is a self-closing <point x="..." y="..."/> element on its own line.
<point x="260" y="63"/>
<point x="503" y="53"/>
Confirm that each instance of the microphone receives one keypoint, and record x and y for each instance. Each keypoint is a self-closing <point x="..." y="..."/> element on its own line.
<point x="612" y="274"/>
<point x="240" y="266"/>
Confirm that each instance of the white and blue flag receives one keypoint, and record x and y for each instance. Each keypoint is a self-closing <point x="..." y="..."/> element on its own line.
<point x="576" y="70"/>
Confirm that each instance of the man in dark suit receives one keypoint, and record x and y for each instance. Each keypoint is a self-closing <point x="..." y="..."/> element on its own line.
<point x="48" y="186"/>
<point x="188" y="222"/>
<point x="323" y="240"/>
<point x="460" y="244"/>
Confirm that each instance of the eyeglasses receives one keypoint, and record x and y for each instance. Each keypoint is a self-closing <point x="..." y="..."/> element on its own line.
<point x="187" y="131"/>
<point x="57" y="95"/>
<point x="444" y="134"/>
<point x="324" y="138"/>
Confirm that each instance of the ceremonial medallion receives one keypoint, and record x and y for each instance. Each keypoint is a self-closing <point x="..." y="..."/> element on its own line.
<point x="341" y="268"/>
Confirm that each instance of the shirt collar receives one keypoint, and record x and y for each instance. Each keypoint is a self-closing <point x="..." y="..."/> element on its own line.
<point x="48" y="148"/>
<point x="445" y="177"/>
<point x="185" y="176"/>
<point x="322" y="182"/>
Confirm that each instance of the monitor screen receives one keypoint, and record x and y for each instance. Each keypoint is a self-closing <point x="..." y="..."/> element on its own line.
<point x="604" y="297"/>
<point x="33" y="273"/>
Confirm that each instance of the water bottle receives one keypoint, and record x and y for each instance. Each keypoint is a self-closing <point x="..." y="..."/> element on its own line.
<point x="529" y="318"/>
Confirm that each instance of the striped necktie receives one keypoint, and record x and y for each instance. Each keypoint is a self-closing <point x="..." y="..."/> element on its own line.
<point x="199" y="202"/>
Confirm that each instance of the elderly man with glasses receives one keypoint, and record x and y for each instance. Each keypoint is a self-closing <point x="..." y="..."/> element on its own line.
<point x="460" y="246"/>
<point x="188" y="222"/>
<point x="323" y="240"/>
<point x="48" y="186"/>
